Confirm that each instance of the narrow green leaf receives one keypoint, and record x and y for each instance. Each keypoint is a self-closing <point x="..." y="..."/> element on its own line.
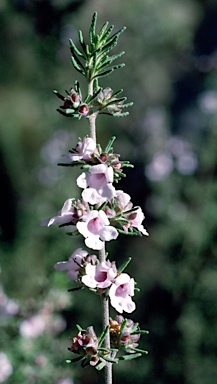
<point x="102" y="74"/>
<point x="120" y="114"/>
<point x="116" y="35"/>
<point x="79" y="327"/>
<point x="102" y="206"/>
<point x="107" y="47"/>
<point x="76" y="65"/>
<point x="103" y="335"/>
<point x="74" y="289"/>
<point x="140" y="332"/>
<point x="93" y="27"/>
<point x="81" y="40"/>
<point x="128" y="233"/>
<point x="124" y="265"/>
<point x="108" y="147"/>
<point x="126" y="105"/>
<point x="139" y="350"/>
<point x="100" y="366"/>
<point x="64" y="113"/>
<point x="85" y="363"/>
<point x="59" y="95"/>
<point x="74" y="48"/>
<point x="74" y="360"/>
<point x="130" y="356"/>
<point x="102" y="31"/>
<point x="110" y="360"/>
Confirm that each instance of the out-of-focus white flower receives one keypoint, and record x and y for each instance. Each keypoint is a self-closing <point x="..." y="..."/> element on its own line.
<point x="6" y="368"/>
<point x="32" y="327"/>
<point x="67" y="380"/>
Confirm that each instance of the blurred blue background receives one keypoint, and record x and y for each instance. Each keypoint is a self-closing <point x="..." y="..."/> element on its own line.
<point x="170" y="136"/>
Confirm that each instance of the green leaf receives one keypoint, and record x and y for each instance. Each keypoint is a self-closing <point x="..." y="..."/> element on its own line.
<point x="77" y="65"/>
<point x="124" y="265"/>
<point x="93" y="27"/>
<point x="110" y="360"/>
<point x="100" y="366"/>
<point x="64" y="113"/>
<point x="79" y="327"/>
<point x="74" y="289"/>
<point x="81" y="40"/>
<point x="103" y="35"/>
<point x="130" y="356"/>
<point x="74" y="360"/>
<point x="59" y="95"/>
<point x="108" y="147"/>
<point x="116" y="35"/>
<point x="129" y="233"/>
<point x="74" y="49"/>
<point x="140" y="332"/>
<point x="103" y="73"/>
<point x="103" y="335"/>
<point x="107" y="47"/>
<point x="138" y="350"/>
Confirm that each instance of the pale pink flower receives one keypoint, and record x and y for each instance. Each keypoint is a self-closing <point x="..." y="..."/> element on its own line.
<point x="73" y="265"/>
<point x="123" y="200"/>
<point x="64" y="216"/>
<point x="83" y="150"/>
<point x="96" y="229"/>
<point x="99" y="276"/>
<point x="33" y="326"/>
<point x="97" y="184"/>
<point x="6" y="368"/>
<point x="135" y="220"/>
<point x="121" y="293"/>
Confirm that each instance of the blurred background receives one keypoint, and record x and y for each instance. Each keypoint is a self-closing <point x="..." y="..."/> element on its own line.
<point x="170" y="136"/>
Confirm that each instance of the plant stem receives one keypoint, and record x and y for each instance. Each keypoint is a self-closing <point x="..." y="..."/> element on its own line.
<point x="102" y="257"/>
<point x="105" y="321"/>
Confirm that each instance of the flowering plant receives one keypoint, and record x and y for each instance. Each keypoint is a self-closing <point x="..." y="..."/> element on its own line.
<point x="102" y="212"/>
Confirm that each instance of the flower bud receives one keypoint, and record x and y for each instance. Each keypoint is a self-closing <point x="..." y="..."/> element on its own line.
<point x="84" y="109"/>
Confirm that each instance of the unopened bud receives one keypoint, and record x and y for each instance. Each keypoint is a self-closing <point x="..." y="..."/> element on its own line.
<point x="104" y="157"/>
<point x="84" y="109"/>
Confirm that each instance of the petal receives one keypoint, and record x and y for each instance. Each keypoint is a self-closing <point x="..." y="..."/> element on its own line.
<point x="82" y="180"/>
<point x="94" y="242"/>
<point x="123" y="278"/>
<point x="129" y="305"/>
<point x="61" y="265"/>
<point x="67" y="206"/>
<point x="90" y="195"/>
<point x="82" y="228"/>
<point x="107" y="192"/>
<point x="108" y="233"/>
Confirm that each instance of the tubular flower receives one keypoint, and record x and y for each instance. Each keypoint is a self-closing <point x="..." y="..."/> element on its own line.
<point x="121" y="292"/>
<point x="71" y="212"/>
<point x="83" y="150"/>
<point x="96" y="229"/>
<point x="74" y="264"/>
<point x="135" y="220"/>
<point x="99" y="276"/>
<point x="97" y="184"/>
